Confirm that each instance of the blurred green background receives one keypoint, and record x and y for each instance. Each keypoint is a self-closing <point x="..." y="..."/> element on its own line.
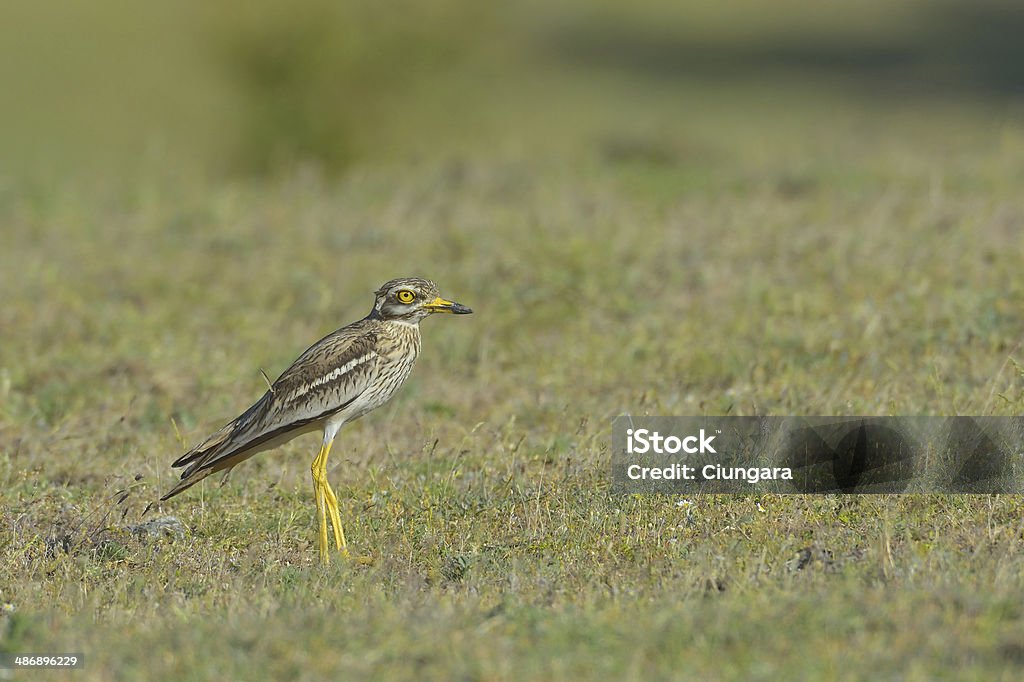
<point x="251" y="88"/>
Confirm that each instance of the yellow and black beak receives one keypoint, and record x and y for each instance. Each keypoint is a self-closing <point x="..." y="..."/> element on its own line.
<point x="440" y="305"/>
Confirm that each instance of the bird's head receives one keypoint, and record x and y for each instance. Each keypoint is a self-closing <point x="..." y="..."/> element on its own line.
<point x="410" y="299"/>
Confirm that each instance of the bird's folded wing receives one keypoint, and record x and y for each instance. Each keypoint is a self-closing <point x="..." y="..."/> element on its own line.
<point x="324" y="380"/>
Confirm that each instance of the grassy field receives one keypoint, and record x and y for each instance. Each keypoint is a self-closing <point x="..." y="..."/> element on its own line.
<point x="631" y="243"/>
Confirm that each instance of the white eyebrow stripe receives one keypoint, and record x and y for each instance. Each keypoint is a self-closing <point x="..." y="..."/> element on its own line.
<point x="331" y="376"/>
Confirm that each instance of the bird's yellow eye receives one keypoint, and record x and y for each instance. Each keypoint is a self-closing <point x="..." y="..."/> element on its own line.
<point x="406" y="296"/>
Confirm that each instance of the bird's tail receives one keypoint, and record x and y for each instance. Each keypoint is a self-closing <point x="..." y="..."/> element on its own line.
<point x="203" y="460"/>
<point x="236" y="442"/>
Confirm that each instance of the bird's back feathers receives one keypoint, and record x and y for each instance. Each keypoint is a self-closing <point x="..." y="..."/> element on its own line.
<point x="327" y="378"/>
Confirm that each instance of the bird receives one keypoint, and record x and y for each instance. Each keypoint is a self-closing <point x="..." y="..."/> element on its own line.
<point x="338" y="379"/>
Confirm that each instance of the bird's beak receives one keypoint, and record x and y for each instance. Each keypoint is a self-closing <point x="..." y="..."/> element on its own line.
<point x="440" y="305"/>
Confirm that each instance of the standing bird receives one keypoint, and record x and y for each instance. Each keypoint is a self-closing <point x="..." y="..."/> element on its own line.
<point x="338" y="379"/>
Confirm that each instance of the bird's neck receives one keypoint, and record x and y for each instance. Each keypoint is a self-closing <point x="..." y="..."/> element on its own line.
<point x="401" y="336"/>
<point x="405" y="326"/>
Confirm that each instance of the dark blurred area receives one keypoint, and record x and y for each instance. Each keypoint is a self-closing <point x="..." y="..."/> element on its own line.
<point x="251" y="88"/>
<point x="966" y="49"/>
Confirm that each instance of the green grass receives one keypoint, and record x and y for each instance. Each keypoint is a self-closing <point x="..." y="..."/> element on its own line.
<point x="742" y="246"/>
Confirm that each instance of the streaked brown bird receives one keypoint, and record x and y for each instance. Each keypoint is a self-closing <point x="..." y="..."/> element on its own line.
<point x="338" y="379"/>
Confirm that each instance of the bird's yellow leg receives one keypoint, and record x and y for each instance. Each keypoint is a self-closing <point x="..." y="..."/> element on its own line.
<point x="326" y="501"/>
<point x="332" y="506"/>
<point x="319" y="470"/>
